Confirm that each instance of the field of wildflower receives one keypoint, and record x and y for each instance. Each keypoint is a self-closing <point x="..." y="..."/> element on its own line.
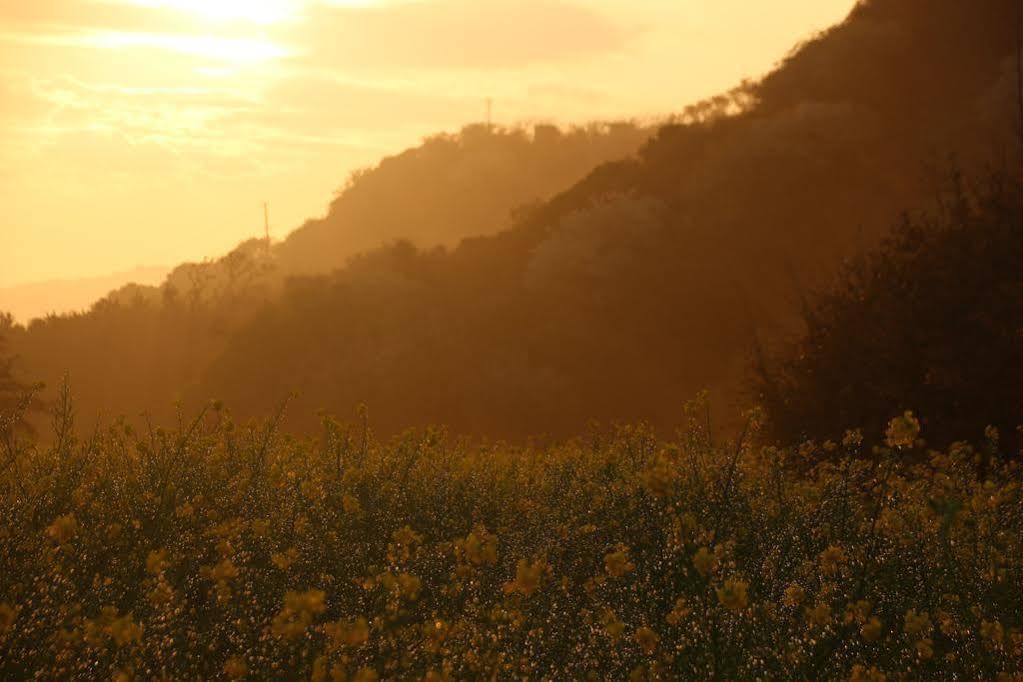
<point x="214" y="551"/>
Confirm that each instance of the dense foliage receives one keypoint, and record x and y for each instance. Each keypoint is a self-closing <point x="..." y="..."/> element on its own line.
<point x="16" y="397"/>
<point x="213" y="551"/>
<point x="932" y="321"/>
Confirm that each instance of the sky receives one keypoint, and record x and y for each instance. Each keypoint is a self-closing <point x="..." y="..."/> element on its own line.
<point x="150" y="132"/>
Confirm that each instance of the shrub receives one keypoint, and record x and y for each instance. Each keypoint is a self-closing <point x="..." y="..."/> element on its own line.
<point x="931" y="322"/>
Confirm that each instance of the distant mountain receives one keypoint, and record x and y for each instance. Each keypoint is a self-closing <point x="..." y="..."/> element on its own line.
<point x="454" y="186"/>
<point x="29" y="301"/>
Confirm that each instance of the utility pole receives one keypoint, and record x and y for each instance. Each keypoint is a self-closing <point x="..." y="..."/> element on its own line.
<point x="266" y="221"/>
<point x="490" y="112"/>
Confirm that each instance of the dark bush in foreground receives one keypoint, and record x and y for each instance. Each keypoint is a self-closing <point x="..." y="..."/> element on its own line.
<point x="933" y="322"/>
<point x="216" y="552"/>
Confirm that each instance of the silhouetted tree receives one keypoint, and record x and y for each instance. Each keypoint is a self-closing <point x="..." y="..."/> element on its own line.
<point x="16" y="397"/>
<point x="930" y="322"/>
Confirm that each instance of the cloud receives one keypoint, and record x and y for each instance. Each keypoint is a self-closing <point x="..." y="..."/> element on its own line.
<point x="457" y="34"/>
<point x="328" y="104"/>
<point x="46" y="15"/>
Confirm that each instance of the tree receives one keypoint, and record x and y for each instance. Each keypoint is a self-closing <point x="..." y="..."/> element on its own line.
<point x="16" y="397"/>
<point x="930" y="322"/>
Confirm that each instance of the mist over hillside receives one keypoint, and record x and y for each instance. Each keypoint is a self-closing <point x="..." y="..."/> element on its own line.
<point x="38" y="299"/>
<point x="617" y="298"/>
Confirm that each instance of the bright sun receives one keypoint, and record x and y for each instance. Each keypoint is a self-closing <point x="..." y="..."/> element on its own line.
<point x="255" y="11"/>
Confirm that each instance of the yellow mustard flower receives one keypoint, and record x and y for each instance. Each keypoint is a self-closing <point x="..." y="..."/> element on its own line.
<point x="704" y="561"/>
<point x="733" y="594"/>
<point x="235" y="668"/>
<point x="647" y="640"/>
<point x="794" y="595"/>
<point x="617" y="563"/>
<point x="871" y="630"/>
<point x="903" y="431"/>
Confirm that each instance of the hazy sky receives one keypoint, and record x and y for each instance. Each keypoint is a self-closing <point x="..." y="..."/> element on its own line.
<point x="148" y="132"/>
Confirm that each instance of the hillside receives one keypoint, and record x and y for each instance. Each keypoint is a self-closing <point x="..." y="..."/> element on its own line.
<point x="616" y="299"/>
<point x="452" y="187"/>
<point x="647" y="281"/>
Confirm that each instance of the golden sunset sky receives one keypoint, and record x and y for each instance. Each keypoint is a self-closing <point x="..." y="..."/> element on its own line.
<point x="149" y="132"/>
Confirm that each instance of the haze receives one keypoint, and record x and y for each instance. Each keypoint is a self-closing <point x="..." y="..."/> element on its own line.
<point x="148" y="132"/>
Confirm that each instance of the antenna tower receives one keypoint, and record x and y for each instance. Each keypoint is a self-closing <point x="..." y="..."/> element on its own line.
<point x="266" y="222"/>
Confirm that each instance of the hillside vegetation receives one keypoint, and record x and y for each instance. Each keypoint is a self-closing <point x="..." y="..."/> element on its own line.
<point x="647" y="281"/>
<point x="933" y="321"/>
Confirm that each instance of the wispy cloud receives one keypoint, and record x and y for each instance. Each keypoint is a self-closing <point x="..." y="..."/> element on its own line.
<point x="459" y="34"/>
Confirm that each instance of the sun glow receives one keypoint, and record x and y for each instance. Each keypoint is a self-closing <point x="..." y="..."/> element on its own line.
<point x="254" y="11"/>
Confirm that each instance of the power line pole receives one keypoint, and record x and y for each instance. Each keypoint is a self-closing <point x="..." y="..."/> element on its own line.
<point x="490" y="112"/>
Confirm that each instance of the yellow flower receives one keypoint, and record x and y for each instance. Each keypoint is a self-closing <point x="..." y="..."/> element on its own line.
<point x="794" y="595"/>
<point x="224" y="571"/>
<point x="156" y="562"/>
<point x="297" y="615"/>
<point x="917" y="625"/>
<point x="647" y="640"/>
<point x="284" y="560"/>
<point x="319" y="671"/>
<point x="871" y="630"/>
<point x="992" y="631"/>
<point x="612" y="625"/>
<point x="819" y="615"/>
<point x="704" y="561"/>
<point x="732" y="594"/>
<point x="479" y="547"/>
<point x="853" y="439"/>
<point x="903" y="431"/>
<point x="862" y="674"/>
<point x="63" y="528"/>
<point x="8" y="614"/>
<point x="347" y="633"/>
<point x="527" y="577"/>
<point x="409" y="586"/>
<point x="858" y="612"/>
<point x="122" y="629"/>
<point x="661" y="476"/>
<point x="366" y="675"/>
<point x="617" y="563"/>
<point x="403" y="543"/>
<point x="350" y="504"/>
<point x="235" y="668"/>
<point x="832" y="560"/>
<point x="161" y="594"/>
<point x="679" y="612"/>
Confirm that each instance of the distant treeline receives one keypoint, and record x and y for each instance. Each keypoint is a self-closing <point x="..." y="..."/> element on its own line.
<point x="653" y="277"/>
